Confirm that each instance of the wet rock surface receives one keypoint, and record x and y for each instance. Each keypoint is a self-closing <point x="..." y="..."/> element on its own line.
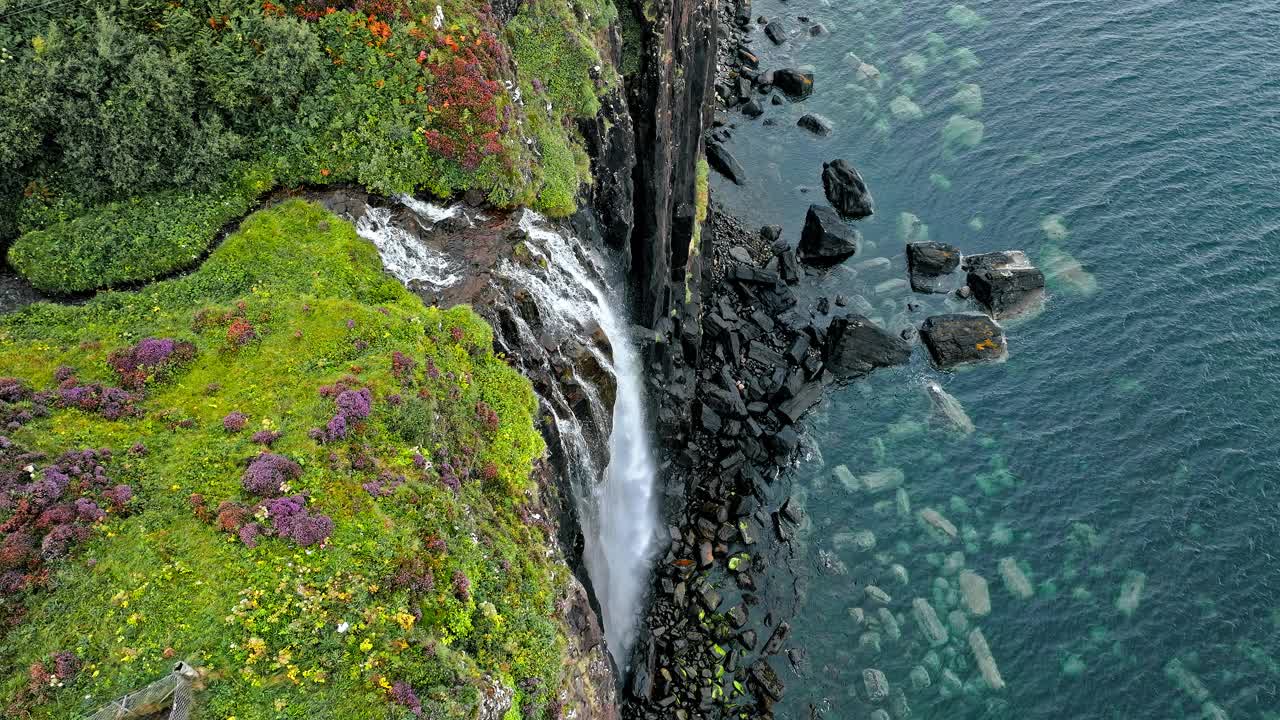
<point x="959" y="339"/>
<point x="928" y="264"/>
<point x="826" y="239"/>
<point x="846" y="190"/>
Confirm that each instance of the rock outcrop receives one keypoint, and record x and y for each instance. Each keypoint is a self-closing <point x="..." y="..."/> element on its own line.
<point x="958" y="339"/>
<point x="1005" y="283"/>
<point x="846" y="190"/>
<point x="929" y="263"/>
<point x="826" y="239"/>
<point x="856" y="346"/>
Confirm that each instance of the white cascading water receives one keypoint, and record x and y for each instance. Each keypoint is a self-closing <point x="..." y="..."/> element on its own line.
<point x="617" y="511"/>
<point x="402" y="254"/>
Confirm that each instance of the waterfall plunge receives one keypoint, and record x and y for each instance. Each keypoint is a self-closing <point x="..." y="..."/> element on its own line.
<point x="617" y="509"/>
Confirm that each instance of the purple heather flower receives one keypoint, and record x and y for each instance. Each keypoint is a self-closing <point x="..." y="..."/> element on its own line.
<point x="66" y="665"/>
<point x="265" y="437"/>
<point x="57" y="542"/>
<point x="290" y="519"/>
<point x="13" y="390"/>
<point x="234" y="422"/>
<point x="138" y="449"/>
<point x="402" y="694"/>
<point x="63" y="373"/>
<point x="150" y="352"/>
<point x="351" y="324"/>
<point x="461" y="585"/>
<point x="119" y="495"/>
<point x="419" y="461"/>
<point x="88" y="511"/>
<point x="336" y="429"/>
<point x="249" y="533"/>
<point x="354" y="404"/>
<point x="268" y="472"/>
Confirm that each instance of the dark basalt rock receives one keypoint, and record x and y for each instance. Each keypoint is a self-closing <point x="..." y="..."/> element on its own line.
<point x="1007" y="292"/>
<point x="816" y="124"/>
<point x="797" y="85"/>
<point x="743" y="16"/>
<point x="752" y="109"/>
<point x="776" y="32"/>
<point x="928" y="263"/>
<point x="723" y="162"/>
<point x="956" y="339"/>
<point x="818" y="29"/>
<point x="748" y="58"/>
<point x="856" y="346"/>
<point x="826" y="240"/>
<point x="766" y="679"/>
<point x="846" y="190"/>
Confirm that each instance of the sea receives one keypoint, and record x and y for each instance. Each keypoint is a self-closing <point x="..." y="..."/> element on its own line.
<point x="1118" y="491"/>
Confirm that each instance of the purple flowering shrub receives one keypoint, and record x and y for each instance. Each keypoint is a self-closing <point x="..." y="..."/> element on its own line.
<point x="401" y="693"/>
<point x="19" y="405"/>
<point x="151" y="357"/>
<point x="267" y="474"/>
<point x="234" y="422"/>
<point x="112" y="403"/>
<point x="46" y="511"/>
<point x="286" y="517"/>
<point x="354" y="406"/>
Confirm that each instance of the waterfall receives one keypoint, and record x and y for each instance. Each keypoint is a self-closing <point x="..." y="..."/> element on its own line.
<point x="551" y="306"/>
<point x="617" y="509"/>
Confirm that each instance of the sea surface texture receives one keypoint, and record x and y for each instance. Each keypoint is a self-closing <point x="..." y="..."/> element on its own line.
<point x="1118" y="498"/>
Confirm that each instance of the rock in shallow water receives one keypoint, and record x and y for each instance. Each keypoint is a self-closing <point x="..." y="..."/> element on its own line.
<point x="723" y="162"/>
<point x="856" y="346"/>
<point x="956" y="339"/>
<point x="796" y="84"/>
<point x="846" y="190"/>
<point x="928" y="262"/>
<point x="1005" y="283"/>
<point x="816" y="124"/>
<point x="826" y="240"/>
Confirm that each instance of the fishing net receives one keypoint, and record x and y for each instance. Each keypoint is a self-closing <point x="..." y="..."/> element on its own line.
<point x="173" y="692"/>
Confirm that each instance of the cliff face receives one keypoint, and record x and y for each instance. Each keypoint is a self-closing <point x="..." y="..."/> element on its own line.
<point x="671" y="102"/>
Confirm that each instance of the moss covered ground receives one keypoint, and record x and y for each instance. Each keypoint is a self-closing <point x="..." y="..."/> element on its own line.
<point x="327" y="500"/>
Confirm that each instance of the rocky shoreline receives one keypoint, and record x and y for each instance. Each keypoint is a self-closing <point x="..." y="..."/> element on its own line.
<point x="714" y="644"/>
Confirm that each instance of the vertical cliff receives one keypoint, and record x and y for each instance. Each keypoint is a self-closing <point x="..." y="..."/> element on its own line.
<point x="669" y="93"/>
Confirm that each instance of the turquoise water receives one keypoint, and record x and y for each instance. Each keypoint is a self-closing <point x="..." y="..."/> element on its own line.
<point x="1132" y="148"/>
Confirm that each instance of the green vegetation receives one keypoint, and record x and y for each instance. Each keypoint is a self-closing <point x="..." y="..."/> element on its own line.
<point x="123" y="114"/>
<point x="132" y="240"/>
<point x="423" y="583"/>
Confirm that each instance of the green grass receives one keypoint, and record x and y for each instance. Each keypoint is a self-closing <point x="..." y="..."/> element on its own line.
<point x="263" y="621"/>
<point x="136" y="240"/>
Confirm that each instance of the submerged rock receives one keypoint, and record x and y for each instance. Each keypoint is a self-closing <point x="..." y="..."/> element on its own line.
<point x="935" y="633"/>
<point x="1015" y="581"/>
<point x="776" y="32"/>
<point x="958" y="339"/>
<point x="855" y="346"/>
<point x="826" y="240"/>
<point x="977" y="597"/>
<point x="1131" y="592"/>
<point x="1005" y="282"/>
<point x="817" y="124"/>
<point x="877" y="685"/>
<point x="846" y="190"/>
<point x="986" y="662"/>
<point x="949" y="408"/>
<point x="723" y="162"/>
<point x="936" y="521"/>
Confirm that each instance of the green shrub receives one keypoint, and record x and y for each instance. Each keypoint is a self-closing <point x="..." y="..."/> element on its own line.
<point x="133" y="240"/>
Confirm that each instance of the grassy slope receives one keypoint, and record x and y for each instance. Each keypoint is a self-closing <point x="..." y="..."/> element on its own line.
<point x="264" y="620"/>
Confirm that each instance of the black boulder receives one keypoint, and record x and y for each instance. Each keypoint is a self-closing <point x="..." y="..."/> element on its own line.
<point x="956" y="339"/>
<point x="816" y="124"/>
<point x="723" y="162"/>
<point x="856" y="346"/>
<point x="826" y="240"/>
<point x="797" y="85"/>
<point x="846" y="190"/>
<point x="929" y="262"/>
